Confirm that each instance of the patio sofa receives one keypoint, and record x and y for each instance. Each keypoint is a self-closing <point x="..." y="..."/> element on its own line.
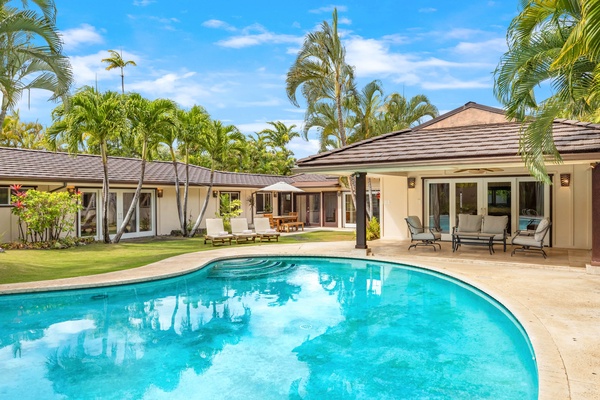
<point x="478" y="229"/>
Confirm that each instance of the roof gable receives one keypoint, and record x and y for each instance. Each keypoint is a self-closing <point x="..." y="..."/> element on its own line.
<point x="469" y="114"/>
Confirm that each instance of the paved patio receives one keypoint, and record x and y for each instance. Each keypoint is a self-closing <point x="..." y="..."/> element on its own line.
<point x="557" y="302"/>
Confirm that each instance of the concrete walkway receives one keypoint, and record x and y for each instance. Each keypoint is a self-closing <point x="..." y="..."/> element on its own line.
<point x="557" y="302"/>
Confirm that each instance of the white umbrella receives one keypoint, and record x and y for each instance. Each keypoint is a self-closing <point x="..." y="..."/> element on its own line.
<point x="280" y="187"/>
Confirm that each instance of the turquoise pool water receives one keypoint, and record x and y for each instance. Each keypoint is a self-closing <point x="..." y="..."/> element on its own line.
<point x="293" y="328"/>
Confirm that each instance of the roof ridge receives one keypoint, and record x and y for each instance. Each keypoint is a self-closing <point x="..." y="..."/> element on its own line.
<point x="468" y="105"/>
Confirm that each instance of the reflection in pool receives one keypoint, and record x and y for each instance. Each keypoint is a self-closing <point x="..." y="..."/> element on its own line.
<point x="298" y="328"/>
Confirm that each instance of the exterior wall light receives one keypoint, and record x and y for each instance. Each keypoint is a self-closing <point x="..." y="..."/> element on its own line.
<point x="159" y="192"/>
<point x="215" y="193"/>
<point x="565" y="180"/>
<point x="71" y="190"/>
<point x="412" y="183"/>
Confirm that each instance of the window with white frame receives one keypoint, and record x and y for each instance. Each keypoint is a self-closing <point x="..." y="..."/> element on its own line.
<point x="264" y="202"/>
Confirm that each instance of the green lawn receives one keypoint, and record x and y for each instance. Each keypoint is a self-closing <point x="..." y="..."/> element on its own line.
<point x="37" y="265"/>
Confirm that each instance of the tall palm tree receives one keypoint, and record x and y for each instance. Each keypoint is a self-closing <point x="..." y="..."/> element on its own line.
<point x="366" y="106"/>
<point x="116" y="61"/>
<point x="23" y="135"/>
<point x="147" y="119"/>
<point x="92" y="118"/>
<point x="550" y="43"/>
<point x="30" y="54"/>
<point x="321" y="71"/>
<point x="219" y="142"/>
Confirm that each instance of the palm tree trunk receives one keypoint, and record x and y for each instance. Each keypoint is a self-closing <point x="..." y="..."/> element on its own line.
<point x="122" y="81"/>
<point x="186" y="191"/>
<point x="204" y="206"/>
<point x="105" y="193"/>
<point x="136" y="196"/>
<point x="177" y="191"/>
<point x="3" y="114"/>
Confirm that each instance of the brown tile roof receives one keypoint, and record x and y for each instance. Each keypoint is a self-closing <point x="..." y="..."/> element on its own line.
<point x="438" y="146"/>
<point x="34" y="165"/>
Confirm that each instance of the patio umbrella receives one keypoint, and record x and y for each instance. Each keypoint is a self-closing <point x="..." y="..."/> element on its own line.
<point x="280" y="187"/>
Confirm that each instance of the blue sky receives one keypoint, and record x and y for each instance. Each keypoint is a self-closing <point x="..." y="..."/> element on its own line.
<point x="232" y="57"/>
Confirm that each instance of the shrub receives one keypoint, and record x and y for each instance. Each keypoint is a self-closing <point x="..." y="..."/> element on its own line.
<point x="373" y="229"/>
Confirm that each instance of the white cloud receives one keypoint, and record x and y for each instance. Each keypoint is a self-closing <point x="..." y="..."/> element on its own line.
<point x="181" y="87"/>
<point x="462" y="33"/>
<point x="497" y="45"/>
<point x="328" y="9"/>
<point x="83" y="35"/>
<point x="303" y="148"/>
<point x="248" y="39"/>
<point x="453" y="83"/>
<point x="427" y="10"/>
<point x="218" y="24"/>
<point x="344" y="21"/>
<point x="89" y="68"/>
<point x="143" y="3"/>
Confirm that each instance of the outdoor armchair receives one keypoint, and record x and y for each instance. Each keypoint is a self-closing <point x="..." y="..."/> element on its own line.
<point x="240" y="231"/>
<point x="532" y="240"/>
<point x="422" y="235"/>
<point x="264" y="231"/>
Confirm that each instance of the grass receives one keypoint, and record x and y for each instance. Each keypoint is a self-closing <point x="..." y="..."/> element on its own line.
<point x="97" y="258"/>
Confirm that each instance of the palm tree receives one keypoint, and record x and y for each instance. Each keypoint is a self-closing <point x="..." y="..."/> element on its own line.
<point x="30" y="54"/>
<point x="366" y="106"/>
<point x="116" y="61"/>
<point x="280" y="135"/>
<point x="23" y="135"/>
<point x="555" y="43"/>
<point x="147" y="119"/>
<point x="92" y="118"/>
<point x="321" y="71"/>
<point x="219" y="142"/>
<point x="400" y="114"/>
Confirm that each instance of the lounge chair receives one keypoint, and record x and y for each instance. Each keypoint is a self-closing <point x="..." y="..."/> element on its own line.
<point x="240" y="231"/>
<point x="422" y="235"/>
<point x="532" y="240"/>
<point x="264" y="231"/>
<point x="215" y="232"/>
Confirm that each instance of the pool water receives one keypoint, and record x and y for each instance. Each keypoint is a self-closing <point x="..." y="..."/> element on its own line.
<point x="280" y="328"/>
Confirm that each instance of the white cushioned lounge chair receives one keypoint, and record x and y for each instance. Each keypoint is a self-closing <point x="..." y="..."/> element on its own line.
<point x="264" y="231"/>
<point x="240" y="231"/>
<point x="532" y="240"/>
<point x="422" y="235"/>
<point x="215" y="232"/>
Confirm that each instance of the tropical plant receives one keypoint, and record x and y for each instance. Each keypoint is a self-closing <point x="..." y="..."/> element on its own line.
<point x="92" y="118"/>
<point x="398" y="113"/>
<point x="30" y="54"/>
<point x="23" y="135"/>
<point x="367" y="108"/>
<point x="281" y="159"/>
<point x="218" y="142"/>
<point x="550" y="44"/>
<point x="228" y="209"/>
<point x="147" y="118"/>
<point x="45" y="215"/>
<point x="116" y="61"/>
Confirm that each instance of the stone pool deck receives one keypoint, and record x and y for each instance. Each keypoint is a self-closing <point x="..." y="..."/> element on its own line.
<point x="557" y="302"/>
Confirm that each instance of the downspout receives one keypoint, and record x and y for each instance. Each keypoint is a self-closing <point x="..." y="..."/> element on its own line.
<point x="64" y="185"/>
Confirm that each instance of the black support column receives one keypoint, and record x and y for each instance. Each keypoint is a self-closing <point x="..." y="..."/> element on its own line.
<point x="595" y="215"/>
<point x="361" y="210"/>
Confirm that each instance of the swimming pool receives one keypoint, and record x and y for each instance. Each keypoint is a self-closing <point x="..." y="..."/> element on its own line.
<point x="298" y="328"/>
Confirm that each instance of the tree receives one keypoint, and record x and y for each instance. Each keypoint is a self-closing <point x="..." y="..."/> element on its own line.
<point x="147" y="118"/>
<point x="30" y="54"/>
<point x="321" y="71"/>
<point x="116" y="61"/>
<point x="277" y="139"/>
<point x="219" y="143"/>
<point x="398" y="113"/>
<point x="92" y="118"/>
<point x="550" y="43"/>
<point x="23" y="135"/>
<point x="366" y="106"/>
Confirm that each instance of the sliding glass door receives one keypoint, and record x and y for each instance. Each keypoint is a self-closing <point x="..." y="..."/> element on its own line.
<point x="522" y="199"/>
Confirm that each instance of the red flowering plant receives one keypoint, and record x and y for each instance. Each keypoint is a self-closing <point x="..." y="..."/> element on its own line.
<point x="44" y="216"/>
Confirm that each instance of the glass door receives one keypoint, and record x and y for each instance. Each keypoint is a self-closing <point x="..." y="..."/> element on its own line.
<point x="349" y="211"/>
<point x="330" y="207"/>
<point x="314" y="209"/>
<point x="89" y="220"/>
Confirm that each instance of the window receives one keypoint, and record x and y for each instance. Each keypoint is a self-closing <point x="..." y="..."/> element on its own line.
<point x="264" y="202"/>
<point x="225" y="199"/>
<point x="4" y="196"/>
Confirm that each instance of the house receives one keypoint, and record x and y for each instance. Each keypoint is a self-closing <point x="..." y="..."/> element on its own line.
<point x="323" y="202"/>
<point x="466" y="161"/>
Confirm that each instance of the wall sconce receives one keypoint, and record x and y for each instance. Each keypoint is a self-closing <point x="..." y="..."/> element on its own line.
<point x="275" y="194"/>
<point x="565" y="180"/>
<point x="412" y="183"/>
<point x="215" y="193"/>
<point x="159" y="193"/>
<point x="339" y="193"/>
<point x="71" y="190"/>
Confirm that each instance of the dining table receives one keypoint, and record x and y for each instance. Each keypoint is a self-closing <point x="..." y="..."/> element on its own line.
<point x="282" y="219"/>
